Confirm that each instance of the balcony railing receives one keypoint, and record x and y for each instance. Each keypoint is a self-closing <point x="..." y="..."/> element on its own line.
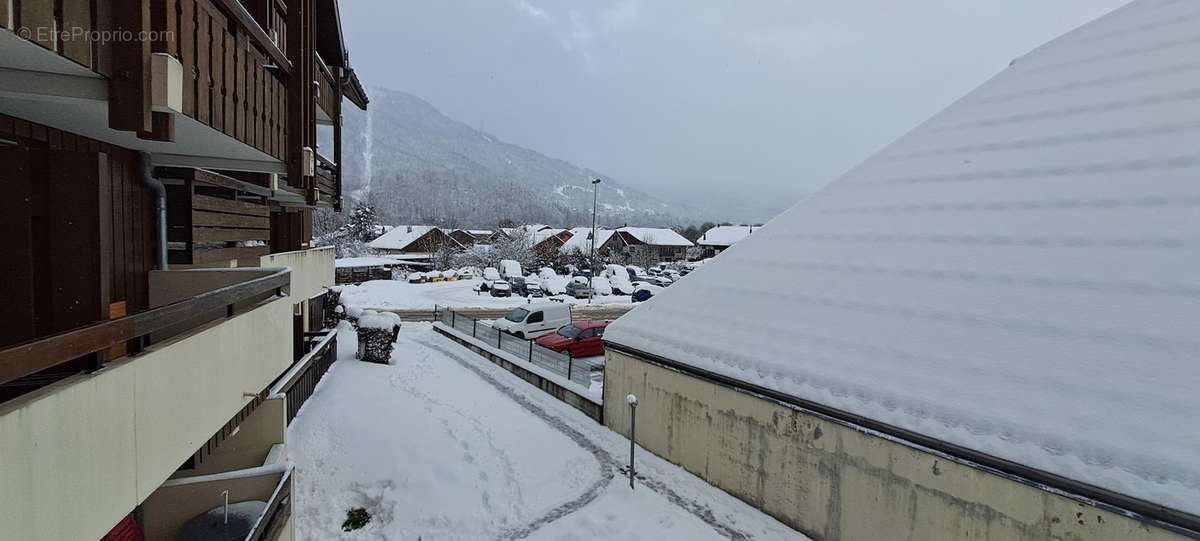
<point x="58" y="349"/>
<point x="327" y="179"/>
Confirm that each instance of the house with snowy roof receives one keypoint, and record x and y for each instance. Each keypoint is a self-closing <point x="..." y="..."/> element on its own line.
<point x="413" y="243"/>
<point x="721" y="237"/>
<point x="468" y="237"/>
<point x="986" y="330"/>
<point x="647" y="244"/>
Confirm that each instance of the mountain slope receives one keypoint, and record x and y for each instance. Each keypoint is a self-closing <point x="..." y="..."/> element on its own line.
<point x="420" y="166"/>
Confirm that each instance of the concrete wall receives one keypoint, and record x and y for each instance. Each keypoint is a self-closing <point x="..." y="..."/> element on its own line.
<point x="833" y="481"/>
<point x="312" y="270"/>
<point x="78" y="455"/>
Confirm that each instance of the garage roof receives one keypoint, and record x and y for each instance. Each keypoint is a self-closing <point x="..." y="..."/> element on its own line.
<point x="1017" y="275"/>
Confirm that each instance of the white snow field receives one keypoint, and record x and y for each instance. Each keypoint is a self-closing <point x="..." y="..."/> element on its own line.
<point x="401" y="295"/>
<point x="1017" y="275"/>
<point x="441" y="444"/>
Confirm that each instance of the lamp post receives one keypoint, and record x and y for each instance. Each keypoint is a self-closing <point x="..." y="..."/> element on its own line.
<point x="592" y="276"/>
<point x="632" y="425"/>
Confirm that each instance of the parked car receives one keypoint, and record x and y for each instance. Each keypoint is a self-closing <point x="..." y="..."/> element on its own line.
<point x="436" y="276"/>
<point x="580" y="339"/>
<point x="509" y="268"/>
<point x="518" y="285"/>
<point x="579" y="289"/>
<point x="450" y="275"/>
<point x="532" y="283"/>
<point x="490" y="274"/>
<point x="465" y="274"/>
<point x="499" y="288"/>
<point x="534" y="320"/>
<point x="661" y="280"/>
<point x="535" y="292"/>
<point x="644" y="292"/>
<point x="416" y="277"/>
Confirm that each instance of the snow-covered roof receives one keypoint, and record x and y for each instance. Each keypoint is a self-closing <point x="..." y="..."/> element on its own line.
<point x="400" y="237"/>
<point x="725" y="235"/>
<point x="543" y="234"/>
<point x="657" y="236"/>
<point x="480" y="232"/>
<point x="581" y="239"/>
<point x="1017" y="275"/>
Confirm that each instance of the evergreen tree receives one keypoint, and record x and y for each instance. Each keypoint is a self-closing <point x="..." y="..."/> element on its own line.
<point x="364" y="223"/>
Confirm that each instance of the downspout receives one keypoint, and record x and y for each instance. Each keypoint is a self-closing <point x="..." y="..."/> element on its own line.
<point x="160" y="209"/>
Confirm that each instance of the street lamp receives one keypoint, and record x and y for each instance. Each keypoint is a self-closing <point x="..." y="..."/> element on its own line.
<point x="592" y="276"/>
<point x="632" y="425"/>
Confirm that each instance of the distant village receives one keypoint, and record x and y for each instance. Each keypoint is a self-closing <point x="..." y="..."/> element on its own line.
<point x="534" y="245"/>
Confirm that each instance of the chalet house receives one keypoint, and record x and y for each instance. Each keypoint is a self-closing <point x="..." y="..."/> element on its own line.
<point x="580" y="240"/>
<point x="647" y="244"/>
<point x="470" y="237"/>
<point x="720" y="238"/>
<point x="551" y="241"/>
<point x="985" y="330"/>
<point x="414" y="244"/>
<point x="164" y="312"/>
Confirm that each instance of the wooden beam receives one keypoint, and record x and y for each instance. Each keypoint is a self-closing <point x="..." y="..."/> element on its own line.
<point x="77" y="23"/>
<point x="211" y="178"/>
<point x="229" y="206"/>
<point x="216" y="255"/>
<point x="129" y="87"/>
<point x="202" y="218"/>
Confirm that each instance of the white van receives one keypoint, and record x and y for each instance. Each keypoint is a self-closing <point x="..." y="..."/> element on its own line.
<point x="534" y="320"/>
<point x="510" y="269"/>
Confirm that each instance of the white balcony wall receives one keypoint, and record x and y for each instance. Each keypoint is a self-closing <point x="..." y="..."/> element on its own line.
<point x="78" y="455"/>
<point x="312" y="270"/>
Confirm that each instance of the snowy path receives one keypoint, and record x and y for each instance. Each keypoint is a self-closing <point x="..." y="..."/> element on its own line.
<point x="444" y="445"/>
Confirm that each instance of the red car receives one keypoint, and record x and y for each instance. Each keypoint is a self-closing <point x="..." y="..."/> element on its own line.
<point x="580" y="338"/>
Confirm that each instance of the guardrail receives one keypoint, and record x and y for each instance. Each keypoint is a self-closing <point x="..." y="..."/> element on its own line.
<point x="48" y="352"/>
<point x="299" y="382"/>
<point x="578" y="312"/>
<point x="563" y="364"/>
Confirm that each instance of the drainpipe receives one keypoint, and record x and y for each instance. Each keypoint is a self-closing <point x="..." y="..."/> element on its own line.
<point x="160" y="208"/>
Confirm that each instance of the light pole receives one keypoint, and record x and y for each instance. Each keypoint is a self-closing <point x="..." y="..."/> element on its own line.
<point x="592" y="276"/>
<point x="632" y="425"/>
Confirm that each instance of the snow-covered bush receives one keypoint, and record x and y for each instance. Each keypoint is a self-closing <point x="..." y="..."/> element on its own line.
<point x="333" y="298"/>
<point x="356" y="518"/>
<point x="376" y="335"/>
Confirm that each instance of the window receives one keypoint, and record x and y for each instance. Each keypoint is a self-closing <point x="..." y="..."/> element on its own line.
<point x="587" y="334"/>
<point x="568" y="331"/>
<point x="600" y="331"/>
<point x="517" y="316"/>
<point x="536" y="317"/>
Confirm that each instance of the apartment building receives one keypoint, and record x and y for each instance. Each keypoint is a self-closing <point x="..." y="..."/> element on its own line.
<point x="163" y="307"/>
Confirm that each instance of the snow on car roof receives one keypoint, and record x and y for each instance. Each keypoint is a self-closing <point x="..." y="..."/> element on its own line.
<point x="1017" y="275"/>
<point x="725" y="235"/>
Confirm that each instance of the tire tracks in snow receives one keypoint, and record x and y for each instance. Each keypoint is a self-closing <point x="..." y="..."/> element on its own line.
<point x="607" y="462"/>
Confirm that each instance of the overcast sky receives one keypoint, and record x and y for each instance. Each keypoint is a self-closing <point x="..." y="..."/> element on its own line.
<point x="771" y="97"/>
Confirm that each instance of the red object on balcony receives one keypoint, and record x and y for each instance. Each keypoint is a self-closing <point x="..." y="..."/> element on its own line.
<point x="126" y="530"/>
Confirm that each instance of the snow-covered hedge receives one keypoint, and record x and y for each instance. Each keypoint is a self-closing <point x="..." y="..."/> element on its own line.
<point x="376" y="334"/>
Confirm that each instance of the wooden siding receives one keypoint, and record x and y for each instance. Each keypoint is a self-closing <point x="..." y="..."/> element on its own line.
<point x="208" y="224"/>
<point x="122" y="214"/>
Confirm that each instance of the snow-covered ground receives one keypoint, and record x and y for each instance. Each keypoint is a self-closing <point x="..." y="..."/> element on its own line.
<point x="444" y="445"/>
<point x="396" y="294"/>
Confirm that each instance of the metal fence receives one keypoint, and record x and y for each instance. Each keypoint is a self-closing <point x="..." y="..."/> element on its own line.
<point x="563" y="364"/>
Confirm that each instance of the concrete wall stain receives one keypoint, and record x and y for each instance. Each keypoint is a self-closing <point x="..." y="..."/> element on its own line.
<point x="834" y="482"/>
